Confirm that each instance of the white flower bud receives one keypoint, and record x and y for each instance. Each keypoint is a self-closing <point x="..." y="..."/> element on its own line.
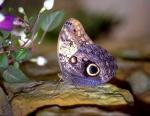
<point x="48" y="4"/>
<point x="21" y="10"/>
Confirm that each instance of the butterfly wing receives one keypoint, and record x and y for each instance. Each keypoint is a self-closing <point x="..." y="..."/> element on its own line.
<point x="81" y="62"/>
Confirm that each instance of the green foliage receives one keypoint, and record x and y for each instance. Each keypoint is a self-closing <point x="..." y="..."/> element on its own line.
<point x="50" y="21"/>
<point x="16" y="64"/>
<point x="4" y="35"/>
<point x="14" y="75"/>
<point x="22" y="54"/>
<point x="6" y="43"/>
<point x="15" y="44"/>
<point x="3" y="61"/>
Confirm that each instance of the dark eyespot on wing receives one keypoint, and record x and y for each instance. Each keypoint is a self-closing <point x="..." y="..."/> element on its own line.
<point x="73" y="60"/>
<point x="92" y="70"/>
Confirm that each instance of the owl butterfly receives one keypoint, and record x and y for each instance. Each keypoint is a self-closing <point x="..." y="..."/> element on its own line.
<point x="81" y="62"/>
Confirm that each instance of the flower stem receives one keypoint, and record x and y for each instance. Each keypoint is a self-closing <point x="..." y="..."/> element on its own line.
<point x="44" y="33"/>
<point x="35" y="27"/>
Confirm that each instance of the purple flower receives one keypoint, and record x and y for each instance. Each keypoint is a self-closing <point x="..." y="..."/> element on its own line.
<point x="6" y="22"/>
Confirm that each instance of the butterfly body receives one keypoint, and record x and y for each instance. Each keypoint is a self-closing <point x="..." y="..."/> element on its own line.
<point x="82" y="63"/>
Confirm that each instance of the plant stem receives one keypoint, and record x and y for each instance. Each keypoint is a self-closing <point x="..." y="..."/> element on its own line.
<point x="43" y="35"/>
<point x="25" y="43"/>
<point x="36" y="24"/>
<point x="35" y="27"/>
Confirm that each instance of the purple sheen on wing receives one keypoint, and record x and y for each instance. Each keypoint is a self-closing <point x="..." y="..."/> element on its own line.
<point x="7" y="23"/>
<point x="84" y="81"/>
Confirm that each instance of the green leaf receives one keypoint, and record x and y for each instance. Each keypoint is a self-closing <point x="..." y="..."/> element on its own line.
<point x="14" y="75"/>
<point x="22" y="54"/>
<point x="4" y="34"/>
<point x="3" y="61"/>
<point x="16" y="64"/>
<point x="32" y="20"/>
<point x="6" y="42"/>
<point x="50" y="21"/>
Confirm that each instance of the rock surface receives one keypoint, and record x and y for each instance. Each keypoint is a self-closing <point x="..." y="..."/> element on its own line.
<point x="5" y="108"/>
<point x="47" y="94"/>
